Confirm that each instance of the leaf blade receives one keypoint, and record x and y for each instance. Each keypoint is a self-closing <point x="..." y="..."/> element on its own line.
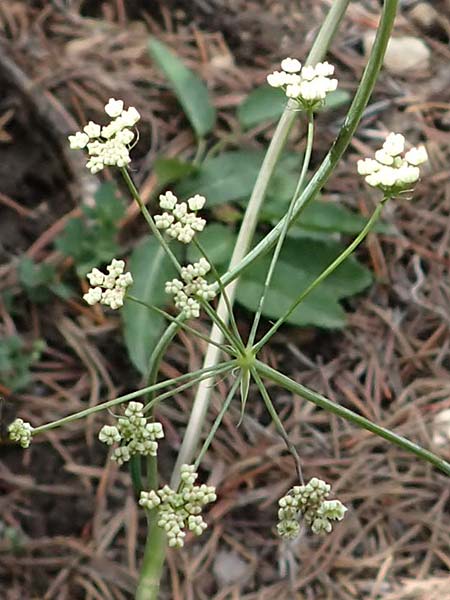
<point x="189" y="89"/>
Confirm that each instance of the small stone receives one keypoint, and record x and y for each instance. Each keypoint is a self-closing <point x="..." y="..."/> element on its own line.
<point x="403" y="54"/>
<point x="441" y="428"/>
<point x="424" y="15"/>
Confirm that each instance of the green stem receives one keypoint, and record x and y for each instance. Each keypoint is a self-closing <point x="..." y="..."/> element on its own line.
<point x="153" y="562"/>
<point x="215" y="317"/>
<point x="181" y="324"/>
<point x="223" y="292"/>
<point x="329" y="163"/>
<point x="326" y="273"/>
<point x="148" y="217"/>
<point x="238" y="259"/>
<point x="287" y="222"/>
<point x="349" y="415"/>
<point x="278" y="424"/>
<point x="218" y="368"/>
<point x="217" y="423"/>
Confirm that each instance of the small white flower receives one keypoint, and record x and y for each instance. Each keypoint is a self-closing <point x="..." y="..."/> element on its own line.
<point x="92" y="130"/>
<point x="293" y="91"/>
<point x="308" y="73"/>
<point x="383" y="157"/>
<point x="95" y="165"/>
<point x="197" y="202"/>
<point x="277" y="79"/>
<point x="324" y="69"/>
<point x="130" y="116"/>
<point x="109" y="435"/>
<point x="394" y="144"/>
<point x="96" y="277"/>
<point x="93" y="296"/>
<point x="20" y="431"/>
<point x="116" y="267"/>
<point x="124" y="281"/>
<point x="168" y="201"/>
<point x="164" y="221"/>
<point x="126" y="136"/>
<point x="114" y="107"/>
<point x="291" y="65"/>
<point x="416" y="156"/>
<point x="78" y="141"/>
<point x="368" y="166"/>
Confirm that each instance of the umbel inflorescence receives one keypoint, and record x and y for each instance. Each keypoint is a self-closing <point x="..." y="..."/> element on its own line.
<point x="180" y="510"/>
<point x="310" y="503"/>
<point x="109" y="289"/>
<point x="108" y="145"/>
<point x="134" y="434"/>
<point x="180" y="219"/>
<point x="192" y="289"/>
<point x="308" y="85"/>
<point x="392" y="171"/>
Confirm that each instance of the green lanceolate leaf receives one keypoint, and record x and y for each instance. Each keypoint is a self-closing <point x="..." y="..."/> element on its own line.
<point x="151" y="268"/>
<point x="261" y="105"/>
<point x="169" y="170"/>
<point x="320" y="216"/>
<point x="218" y="241"/>
<point x="244" y="387"/>
<point x="301" y="261"/>
<point x="230" y="177"/>
<point x="191" y="92"/>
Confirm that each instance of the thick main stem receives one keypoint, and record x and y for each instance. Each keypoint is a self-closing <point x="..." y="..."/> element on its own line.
<point x="349" y="415"/>
<point x="201" y="403"/>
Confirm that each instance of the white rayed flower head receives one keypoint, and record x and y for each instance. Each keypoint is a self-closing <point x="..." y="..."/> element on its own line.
<point x="309" y="85"/>
<point x="390" y="171"/>
<point x="109" y="289"/>
<point x="291" y="65"/>
<point x="416" y="156"/>
<point x="20" y="431"/>
<point x="78" y="141"/>
<point x="114" y="108"/>
<point x="92" y="129"/>
<point x="111" y="143"/>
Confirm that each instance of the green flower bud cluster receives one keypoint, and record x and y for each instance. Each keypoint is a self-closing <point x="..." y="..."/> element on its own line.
<point x="308" y="501"/>
<point x="20" y="431"/>
<point x="180" y="510"/>
<point x="134" y="434"/>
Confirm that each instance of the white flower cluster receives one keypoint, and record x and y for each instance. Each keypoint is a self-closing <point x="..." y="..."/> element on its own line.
<point x="108" y="289"/>
<point x="310" y="502"/>
<point x="108" y="145"/>
<point x="180" y="219"/>
<point x="193" y="288"/>
<point x="389" y="170"/>
<point x="134" y="434"/>
<point x="308" y="85"/>
<point x="180" y="510"/>
<point x="20" y="431"/>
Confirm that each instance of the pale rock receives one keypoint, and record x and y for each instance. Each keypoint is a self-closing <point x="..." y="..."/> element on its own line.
<point x="403" y="54"/>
